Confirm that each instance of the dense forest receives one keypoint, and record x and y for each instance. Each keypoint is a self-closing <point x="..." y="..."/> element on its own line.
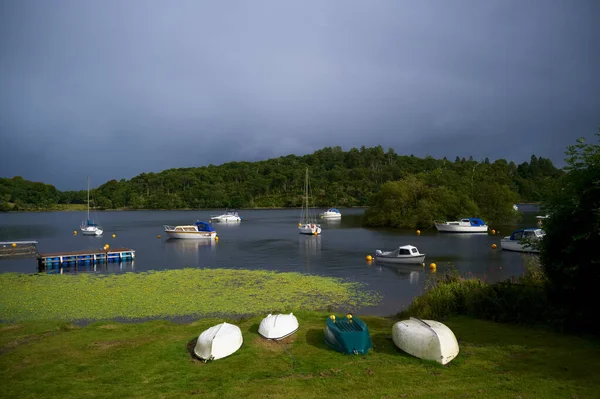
<point x="338" y="178"/>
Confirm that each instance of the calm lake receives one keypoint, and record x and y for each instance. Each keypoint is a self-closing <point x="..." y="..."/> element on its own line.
<point x="269" y="239"/>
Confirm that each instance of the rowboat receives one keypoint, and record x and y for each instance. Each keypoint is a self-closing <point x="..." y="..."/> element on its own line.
<point x="278" y="326"/>
<point x="218" y="342"/>
<point x="425" y="339"/>
<point x="348" y="335"/>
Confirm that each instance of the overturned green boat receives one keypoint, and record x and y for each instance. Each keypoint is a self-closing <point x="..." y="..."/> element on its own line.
<point x="348" y="335"/>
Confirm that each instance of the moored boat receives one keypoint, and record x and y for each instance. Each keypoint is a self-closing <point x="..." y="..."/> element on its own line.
<point x="278" y="326"/>
<point x="406" y="254"/>
<point x="348" y="335"/>
<point x="230" y="216"/>
<point x="90" y="227"/>
<point x="218" y="342"/>
<point x="199" y="230"/>
<point x="425" y="339"/>
<point x="308" y="223"/>
<point x="464" y="225"/>
<point x="521" y="240"/>
<point x="331" y="213"/>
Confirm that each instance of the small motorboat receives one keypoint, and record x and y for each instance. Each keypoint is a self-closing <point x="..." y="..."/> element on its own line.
<point x="278" y="326"/>
<point x="425" y="339"/>
<point x="406" y="254"/>
<point x="218" y="342"/>
<point x="228" y="217"/>
<point x="199" y="230"/>
<point x="521" y="240"/>
<point x="348" y="335"/>
<point x="465" y="225"/>
<point x="331" y="213"/>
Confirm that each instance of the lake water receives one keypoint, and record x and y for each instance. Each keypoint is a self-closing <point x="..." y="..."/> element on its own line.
<point x="269" y="239"/>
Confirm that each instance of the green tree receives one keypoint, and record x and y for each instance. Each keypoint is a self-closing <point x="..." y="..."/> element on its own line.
<point x="569" y="251"/>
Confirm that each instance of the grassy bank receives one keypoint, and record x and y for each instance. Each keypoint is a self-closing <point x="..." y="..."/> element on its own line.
<point x="172" y="293"/>
<point x="153" y="360"/>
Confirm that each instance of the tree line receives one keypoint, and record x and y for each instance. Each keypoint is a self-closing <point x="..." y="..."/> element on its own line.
<point x="338" y="178"/>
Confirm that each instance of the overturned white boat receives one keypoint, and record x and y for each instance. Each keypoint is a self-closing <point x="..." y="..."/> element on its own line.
<point x="218" y="342"/>
<point x="278" y="326"/>
<point x="406" y="254"/>
<point x="425" y="339"/>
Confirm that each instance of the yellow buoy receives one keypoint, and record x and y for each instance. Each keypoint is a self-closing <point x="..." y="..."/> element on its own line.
<point x="332" y="317"/>
<point x="158" y="236"/>
<point x="432" y="266"/>
<point x="493" y="231"/>
<point x="299" y="224"/>
<point x="494" y="246"/>
<point x="114" y="236"/>
<point x="418" y="232"/>
<point x="14" y="245"/>
<point x="349" y="316"/>
<point x="315" y="233"/>
<point x="216" y="238"/>
<point x="369" y="258"/>
<point x="75" y="232"/>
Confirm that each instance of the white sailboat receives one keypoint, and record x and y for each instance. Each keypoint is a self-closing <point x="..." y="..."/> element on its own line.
<point x="89" y="227"/>
<point x="308" y="222"/>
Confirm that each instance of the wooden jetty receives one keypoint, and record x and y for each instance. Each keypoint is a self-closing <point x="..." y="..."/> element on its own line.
<point x="88" y="256"/>
<point x="9" y="249"/>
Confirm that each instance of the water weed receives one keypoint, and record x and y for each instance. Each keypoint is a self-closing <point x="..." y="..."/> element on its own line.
<point x="172" y="293"/>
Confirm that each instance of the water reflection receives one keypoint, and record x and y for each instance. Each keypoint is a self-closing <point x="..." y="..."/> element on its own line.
<point x="331" y="223"/>
<point x="310" y="247"/>
<point x="102" y="267"/>
<point x="411" y="272"/>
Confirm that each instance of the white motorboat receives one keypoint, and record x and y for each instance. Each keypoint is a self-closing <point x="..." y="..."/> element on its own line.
<point x="308" y="222"/>
<point x="465" y="225"/>
<point x="199" y="230"/>
<point x="278" y="326"/>
<point x="228" y="217"/>
<point x="331" y="213"/>
<point x="218" y="342"/>
<point x="425" y="339"/>
<point x="89" y="227"/>
<point x="521" y="240"/>
<point x="406" y="254"/>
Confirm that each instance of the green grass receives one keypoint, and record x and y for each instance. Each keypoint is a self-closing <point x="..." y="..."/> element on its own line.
<point x="153" y="360"/>
<point x="172" y="293"/>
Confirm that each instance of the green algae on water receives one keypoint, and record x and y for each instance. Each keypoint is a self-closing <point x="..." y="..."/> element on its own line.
<point x="172" y="293"/>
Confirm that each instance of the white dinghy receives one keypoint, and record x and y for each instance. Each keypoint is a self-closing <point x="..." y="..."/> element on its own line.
<point x="218" y="342"/>
<point x="425" y="339"/>
<point x="278" y="326"/>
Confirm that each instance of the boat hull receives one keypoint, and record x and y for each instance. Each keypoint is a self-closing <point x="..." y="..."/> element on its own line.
<point x="278" y="327"/>
<point x="190" y="235"/>
<point x="310" y="229"/>
<point x="516" y="246"/>
<point x="218" y="342"/>
<point x="401" y="259"/>
<point x="331" y="215"/>
<point x="446" y="228"/>
<point x="425" y="339"/>
<point x="230" y="219"/>
<point x="348" y="336"/>
<point x="91" y="232"/>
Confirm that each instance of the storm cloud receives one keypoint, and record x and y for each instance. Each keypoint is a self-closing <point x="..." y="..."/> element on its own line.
<point x="111" y="89"/>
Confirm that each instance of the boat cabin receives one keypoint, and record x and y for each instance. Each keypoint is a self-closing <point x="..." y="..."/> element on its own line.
<point x="408" y="250"/>
<point x="474" y="221"/>
<point x="204" y="226"/>
<point x="529" y="233"/>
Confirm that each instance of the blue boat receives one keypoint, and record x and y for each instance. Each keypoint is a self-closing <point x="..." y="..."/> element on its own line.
<point x="348" y="335"/>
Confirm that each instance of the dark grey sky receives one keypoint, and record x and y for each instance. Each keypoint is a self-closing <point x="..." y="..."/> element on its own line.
<point x="114" y="88"/>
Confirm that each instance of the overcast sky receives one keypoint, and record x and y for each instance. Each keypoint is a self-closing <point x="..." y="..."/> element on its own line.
<point x="114" y="88"/>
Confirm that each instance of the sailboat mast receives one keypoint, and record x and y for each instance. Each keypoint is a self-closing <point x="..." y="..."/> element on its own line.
<point x="306" y="196"/>
<point x="88" y="199"/>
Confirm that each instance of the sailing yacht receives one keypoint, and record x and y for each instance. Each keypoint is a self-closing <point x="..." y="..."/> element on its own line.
<point x="88" y="227"/>
<point x="308" y="221"/>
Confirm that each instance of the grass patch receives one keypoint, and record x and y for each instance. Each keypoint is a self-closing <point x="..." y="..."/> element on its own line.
<point x="152" y="360"/>
<point x="172" y="293"/>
